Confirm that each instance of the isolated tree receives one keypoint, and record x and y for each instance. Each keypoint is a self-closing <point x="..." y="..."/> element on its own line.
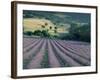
<point x="50" y="27"/>
<point x="43" y="26"/>
<point x="55" y="29"/>
<point x="46" y="24"/>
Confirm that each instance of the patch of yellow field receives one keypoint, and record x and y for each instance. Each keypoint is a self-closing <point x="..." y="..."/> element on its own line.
<point x="32" y="24"/>
<point x="35" y="24"/>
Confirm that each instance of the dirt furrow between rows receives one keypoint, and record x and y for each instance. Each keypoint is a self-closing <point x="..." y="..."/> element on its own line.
<point x="69" y="60"/>
<point x="70" y="49"/>
<point x="31" y="54"/>
<point x="28" y="48"/>
<point x="85" y="50"/>
<point x="52" y="58"/>
<point x="75" y="57"/>
<point x="36" y="61"/>
<point x="29" y="42"/>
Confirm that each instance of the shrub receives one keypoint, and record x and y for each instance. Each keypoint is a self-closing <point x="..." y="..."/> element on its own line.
<point x="29" y="33"/>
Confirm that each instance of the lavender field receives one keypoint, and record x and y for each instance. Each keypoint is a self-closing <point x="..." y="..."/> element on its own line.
<point x="56" y="39"/>
<point x="53" y="53"/>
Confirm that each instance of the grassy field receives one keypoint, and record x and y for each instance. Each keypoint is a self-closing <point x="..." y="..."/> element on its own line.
<point x="32" y="24"/>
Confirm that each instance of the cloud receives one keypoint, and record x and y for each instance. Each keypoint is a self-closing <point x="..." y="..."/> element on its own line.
<point x="62" y="15"/>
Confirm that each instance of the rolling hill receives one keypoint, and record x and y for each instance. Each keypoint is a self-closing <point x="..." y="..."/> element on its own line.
<point x="44" y="20"/>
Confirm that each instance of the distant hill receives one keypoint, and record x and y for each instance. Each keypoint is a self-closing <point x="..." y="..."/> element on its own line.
<point x="33" y="24"/>
<point x="58" y="18"/>
<point x="36" y="20"/>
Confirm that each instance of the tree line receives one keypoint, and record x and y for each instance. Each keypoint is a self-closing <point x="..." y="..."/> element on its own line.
<point x="78" y="32"/>
<point x="75" y="32"/>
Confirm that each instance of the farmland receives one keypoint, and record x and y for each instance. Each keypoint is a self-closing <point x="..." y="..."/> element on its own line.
<point x="56" y="39"/>
<point x="53" y="53"/>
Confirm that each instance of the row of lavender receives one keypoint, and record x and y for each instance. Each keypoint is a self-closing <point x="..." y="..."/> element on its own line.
<point x="50" y="53"/>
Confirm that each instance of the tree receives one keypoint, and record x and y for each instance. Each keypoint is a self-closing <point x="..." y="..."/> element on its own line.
<point x="81" y="32"/>
<point x="50" y="27"/>
<point x="29" y="33"/>
<point x="46" y="24"/>
<point x="55" y="29"/>
<point x="84" y="33"/>
<point x="43" y="26"/>
<point x="45" y="33"/>
<point x="37" y="32"/>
